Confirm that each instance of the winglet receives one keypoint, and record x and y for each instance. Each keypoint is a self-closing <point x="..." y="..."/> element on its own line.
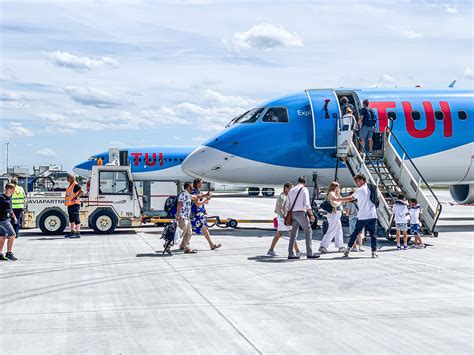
<point x="452" y="84"/>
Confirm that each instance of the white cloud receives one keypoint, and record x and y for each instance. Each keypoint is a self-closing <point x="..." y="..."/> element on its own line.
<point x="10" y="99"/>
<point x="71" y="61"/>
<point x="214" y="97"/>
<point x="92" y="97"/>
<point x="450" y="9"/>
<point x="15" y="129"/>
<point x="176" y="138"/>
<point x="469" y="73"/>
<point x="386" y="79"/>
<point x="47" y="152"/>
<point x="410" y="34"/>
<point x="266" y="36"/>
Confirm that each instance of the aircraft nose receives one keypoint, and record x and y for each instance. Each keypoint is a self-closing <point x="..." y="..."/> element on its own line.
<point x="83" y="169"/>
<point x="194" y="164"/>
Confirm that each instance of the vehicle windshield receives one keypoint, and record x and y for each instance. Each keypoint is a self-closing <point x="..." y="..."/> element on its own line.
<point x="248" y="117"/>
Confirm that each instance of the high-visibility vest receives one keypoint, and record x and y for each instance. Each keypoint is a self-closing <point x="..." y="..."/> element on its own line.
<point x="71" y="197"/>
<point x="18" y="198"/>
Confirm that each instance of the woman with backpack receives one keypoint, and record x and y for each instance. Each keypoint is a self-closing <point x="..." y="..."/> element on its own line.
<point x="198" y="211"/>
<point x="334" y="220"/>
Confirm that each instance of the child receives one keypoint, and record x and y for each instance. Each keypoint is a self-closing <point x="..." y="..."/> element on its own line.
<point x="401" y="211"/>
<point x="415" y="211"/>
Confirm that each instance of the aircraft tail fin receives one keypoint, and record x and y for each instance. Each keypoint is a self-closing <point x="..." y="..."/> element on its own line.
<point x="452" y="84"/>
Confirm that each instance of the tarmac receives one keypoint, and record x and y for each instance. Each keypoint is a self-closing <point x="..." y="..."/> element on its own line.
<point x="116" y="294"/>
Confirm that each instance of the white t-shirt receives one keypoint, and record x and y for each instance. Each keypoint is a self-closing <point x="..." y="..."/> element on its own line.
<point x="401" y="211"/>
<point x="347" y="120"/>
<point x="367" y="209"/>
<point x="415" y="215"/>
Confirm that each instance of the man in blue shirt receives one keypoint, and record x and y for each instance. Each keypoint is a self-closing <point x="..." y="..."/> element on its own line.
<point x="367" y="123"/>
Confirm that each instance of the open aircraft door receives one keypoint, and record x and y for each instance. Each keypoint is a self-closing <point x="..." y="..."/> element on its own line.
<point x="326" y="113"/>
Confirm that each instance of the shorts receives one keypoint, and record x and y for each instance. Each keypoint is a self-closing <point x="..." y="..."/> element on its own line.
<point x="403" y="227"/>
<point x="352" y="224"/>
<point x="73" y="213"/>
<point x="415" y="229"/>
<point x="281" y="225"/>
<point x="366" y="132"/>
<point x="6" y="229"/>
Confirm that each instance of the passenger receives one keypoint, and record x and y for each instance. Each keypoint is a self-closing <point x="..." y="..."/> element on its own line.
<point x="183" y="216"/>
<point x="6" y="228"/>
<point x="415" y="212"/>
<point x="300" y="208"/>
<point x="366" y="216"/>
<point x="351" y="213"/>
<point x="198" y="210"/>
<point x="367" y="122"/>
<point x="334" y="221"/>
<point x="73" y="203"/>
<point x="348" y="120"/>
<point x="18" y="204"/>
<point x="400" y="208"/>
<point x="280" y="210"/>
<point x="345" y="105"/>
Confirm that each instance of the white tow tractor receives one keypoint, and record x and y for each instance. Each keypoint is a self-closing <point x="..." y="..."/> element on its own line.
<point x="111" y="201"/>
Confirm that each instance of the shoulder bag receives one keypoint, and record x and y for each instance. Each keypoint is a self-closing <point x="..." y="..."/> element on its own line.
<point x="289" y="215"/>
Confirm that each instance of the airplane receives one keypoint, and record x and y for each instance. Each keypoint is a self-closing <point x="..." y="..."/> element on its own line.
<point x="162" y="163"/>
<point x="280" y="140"/>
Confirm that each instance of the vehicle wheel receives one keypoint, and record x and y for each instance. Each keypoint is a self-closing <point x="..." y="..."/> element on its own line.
<point x="104" y="222"/>
<point x="268" y="192"/>
<point x="254" y="191"/>
<point x="435" y="234"/>
<point x="232" y="223"/>
<point x="52" y="223"/>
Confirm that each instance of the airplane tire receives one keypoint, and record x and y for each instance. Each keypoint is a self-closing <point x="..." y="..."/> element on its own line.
<point x="52" y="223"/>
<point x="232" y="223"/>
<point x="268" y="192"/>
<point x="104" y="222"/>
<point x="254" y="191"/>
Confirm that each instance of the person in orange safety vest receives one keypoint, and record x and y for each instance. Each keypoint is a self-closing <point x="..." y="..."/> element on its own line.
<point x="73" y="203"/>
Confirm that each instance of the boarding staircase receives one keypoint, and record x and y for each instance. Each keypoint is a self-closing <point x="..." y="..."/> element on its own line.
<point x="393" y="174"/>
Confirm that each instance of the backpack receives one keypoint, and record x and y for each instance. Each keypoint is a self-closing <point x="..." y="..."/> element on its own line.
<point x="171" y="204"/>
<point x="370" y="119"/>
<point x="374" y="197"/>
<point x="169" y="232"/>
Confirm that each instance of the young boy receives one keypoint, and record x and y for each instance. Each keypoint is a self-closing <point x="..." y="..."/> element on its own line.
<point x="415" y="211"/>
<point x="401" y="211"/>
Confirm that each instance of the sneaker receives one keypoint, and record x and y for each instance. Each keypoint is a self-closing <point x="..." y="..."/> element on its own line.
<point x="405" y="247"/>
<point x="75" y="235"/>
<point x="342" y="250"/>
<point x="346" y="253"/>
<point x="2" y="257"/>
<point x="300" y="254"/>
<point x="399" y="247"/>
<point x="314" y="256"/>
<point x="360" y="249"/>
<point x="10" y="256"/>
<point x="374" y="255"/>
<point x="67" y="235"/>
<point x="271" y="253"/>
<point x="293" y="257"/>
<point x="323" y="250"/>
<point x="352" y="249"/>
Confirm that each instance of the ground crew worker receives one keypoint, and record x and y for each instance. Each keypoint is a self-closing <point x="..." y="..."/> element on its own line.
<point x="18" y="204"/>
<point x="73" y="203"/>
<point x="6" y="228"/>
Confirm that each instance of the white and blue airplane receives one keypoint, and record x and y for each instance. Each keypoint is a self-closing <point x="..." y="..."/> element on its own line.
<point x="280" y="139"/>
<point x="162" y="163"/>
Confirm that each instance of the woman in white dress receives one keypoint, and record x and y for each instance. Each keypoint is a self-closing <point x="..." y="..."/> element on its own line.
<point x="280" y="210"/>
<point x="334" y="220"/>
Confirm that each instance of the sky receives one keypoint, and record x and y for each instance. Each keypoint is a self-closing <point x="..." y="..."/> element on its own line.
<point x="78" y="77"/>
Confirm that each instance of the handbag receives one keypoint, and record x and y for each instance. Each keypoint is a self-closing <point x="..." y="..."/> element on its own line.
<point x="326" y="206"/>
<point x="275" y="222"/>
<point x="289" y="215"/>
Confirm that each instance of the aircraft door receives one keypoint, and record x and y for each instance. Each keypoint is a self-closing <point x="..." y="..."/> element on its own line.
<point x="326" y="114"/>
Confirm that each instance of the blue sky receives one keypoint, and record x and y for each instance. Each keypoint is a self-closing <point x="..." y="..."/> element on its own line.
<point x="78" y="77"/>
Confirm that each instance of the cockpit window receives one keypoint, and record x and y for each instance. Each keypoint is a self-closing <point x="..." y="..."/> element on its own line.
<point x="92" y="158"/>
<point x="248" y="117"/>
<point x="276" y="114"/>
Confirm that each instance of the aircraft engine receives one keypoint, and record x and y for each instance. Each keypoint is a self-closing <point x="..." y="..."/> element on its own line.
<point x="462" y="193"/>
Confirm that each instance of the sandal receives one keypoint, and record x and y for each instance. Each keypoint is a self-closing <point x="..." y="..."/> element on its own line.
<point x="216" y="246"/>
<point x="190" y="251"/>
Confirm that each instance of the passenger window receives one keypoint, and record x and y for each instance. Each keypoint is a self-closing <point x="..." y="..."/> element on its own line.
<point x="276" y="114"/>
<point x="114" y="182"/>
<point x="462" y="115"/>
<point x="415" y="115"/>
<point x="392" y="115"/>
<point x="439" y="115"/>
